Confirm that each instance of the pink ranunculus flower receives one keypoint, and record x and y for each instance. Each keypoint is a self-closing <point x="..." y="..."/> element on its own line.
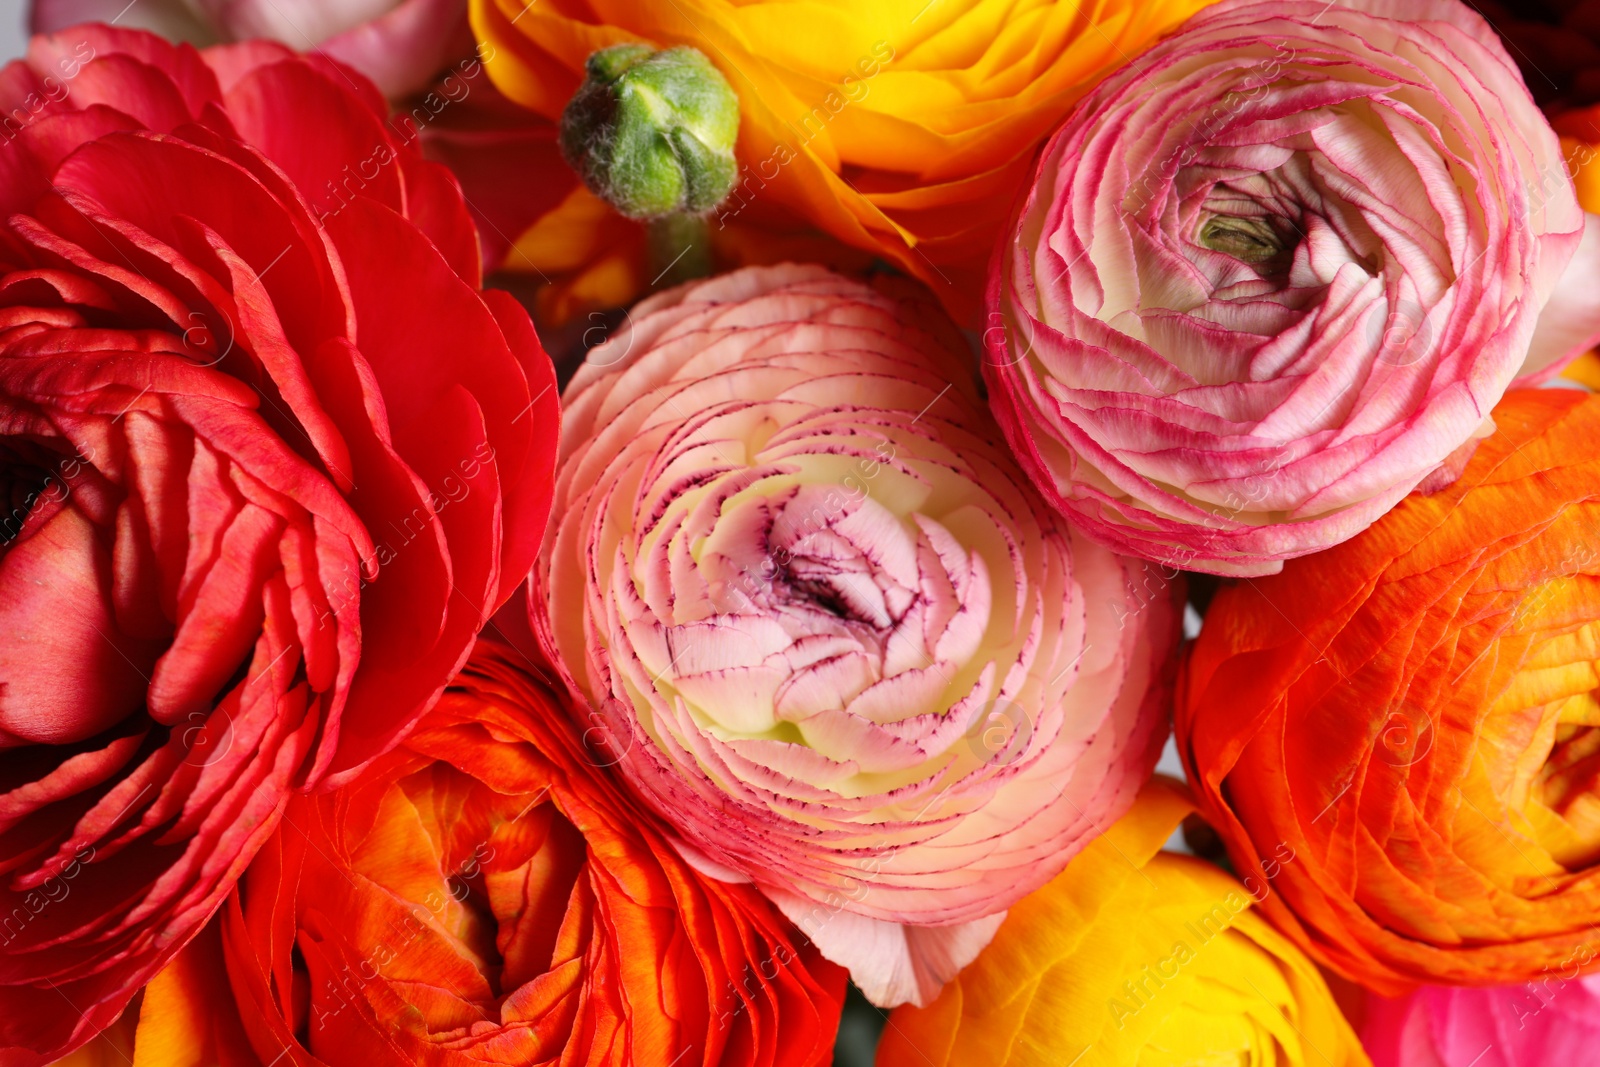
<point x="399" y="44"/>
<point x="1275" y="273"/>
<point x="1553" y="1021"/>
<point x="827" y="627"/>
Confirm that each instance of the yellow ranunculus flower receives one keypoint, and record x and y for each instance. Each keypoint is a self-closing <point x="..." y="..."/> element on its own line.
<point x="901" y="127"/>
<point x="1133" y="956"/>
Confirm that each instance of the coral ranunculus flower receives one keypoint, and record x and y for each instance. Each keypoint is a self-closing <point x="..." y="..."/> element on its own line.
<point x="270" y="460"/>
<point x="485" y="895"/>
<point x="898" y="126"/>
<point x="1132" y="957"/>
<point x="827" y="627"/>
<point x="1414" y="714"/>
<point x="1273" y="275"/>
<point x="1553" y="1021"/>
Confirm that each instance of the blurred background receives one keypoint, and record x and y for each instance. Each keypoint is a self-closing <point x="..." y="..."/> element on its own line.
<point x="13" y="39"/>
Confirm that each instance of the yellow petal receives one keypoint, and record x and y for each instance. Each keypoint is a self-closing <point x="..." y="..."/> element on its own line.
<point x="1132" y="956"/>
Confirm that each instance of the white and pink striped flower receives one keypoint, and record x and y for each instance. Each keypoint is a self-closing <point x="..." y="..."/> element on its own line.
<point x="1275" y="273"/>
<point x="828" y="629"/>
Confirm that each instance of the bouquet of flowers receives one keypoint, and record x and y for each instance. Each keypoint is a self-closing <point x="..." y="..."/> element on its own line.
<point x="666" y="532"/>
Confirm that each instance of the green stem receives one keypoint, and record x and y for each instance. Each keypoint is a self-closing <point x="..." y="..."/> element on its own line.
<point x="680" y="249"/>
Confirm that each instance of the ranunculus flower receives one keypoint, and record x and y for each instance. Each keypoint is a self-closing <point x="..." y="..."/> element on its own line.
<point x="1555" y="1020"/>
<point x="486" y="895"/>
<point x="829" y="630"/>
<point x="1412" y="713"/>
<point x="1274" y="274"/>
<point x="271" y="459"/>
<point x="399" y="44"/>
<point x="1132" y="957"/>
<point x="901" y="128"/>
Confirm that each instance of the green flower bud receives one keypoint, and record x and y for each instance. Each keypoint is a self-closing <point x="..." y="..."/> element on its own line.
<point x="652" y="132"/>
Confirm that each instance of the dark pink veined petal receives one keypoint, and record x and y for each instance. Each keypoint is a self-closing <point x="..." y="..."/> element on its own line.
<point x="1272" y="277"/>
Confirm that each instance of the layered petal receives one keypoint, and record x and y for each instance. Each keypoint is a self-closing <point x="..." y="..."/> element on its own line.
<point x="1273" y="275"/>
<point x="1553" y="1020"/>
<point x="1413" y="714"/>
<point x="829" y="630"/>
<point x="260" y="496"/>
<point x="1133" y="957"/>
<point x="484" y="895"/>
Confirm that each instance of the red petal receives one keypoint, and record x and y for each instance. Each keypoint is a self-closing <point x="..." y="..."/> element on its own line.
<point x="55" y="610"/>
<point x="350" y="158"/>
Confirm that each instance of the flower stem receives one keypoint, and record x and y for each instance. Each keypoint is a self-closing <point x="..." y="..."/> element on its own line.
<point x="680" y="249"/>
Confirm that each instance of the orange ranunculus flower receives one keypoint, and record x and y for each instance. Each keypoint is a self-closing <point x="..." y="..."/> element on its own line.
<point x="901" y="127"/>
<point x="1132" y="957"/>
<point x="1413" y="714"/>
<point x="485" y="895"/>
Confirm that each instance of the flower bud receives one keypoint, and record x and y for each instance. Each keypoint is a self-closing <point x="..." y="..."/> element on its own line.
<point x="652" y="132"/>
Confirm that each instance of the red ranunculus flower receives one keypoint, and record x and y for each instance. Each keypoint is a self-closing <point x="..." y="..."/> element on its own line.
<point x="269" y="458"/>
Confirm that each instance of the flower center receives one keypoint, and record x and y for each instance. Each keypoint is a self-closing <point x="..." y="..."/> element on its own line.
<point x="1569" y="785"/>
<point x="829" y="593"/>
<point x="847" y="588"/>
<point x="839" y="565"/>
<point x="1261" y="241"/>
